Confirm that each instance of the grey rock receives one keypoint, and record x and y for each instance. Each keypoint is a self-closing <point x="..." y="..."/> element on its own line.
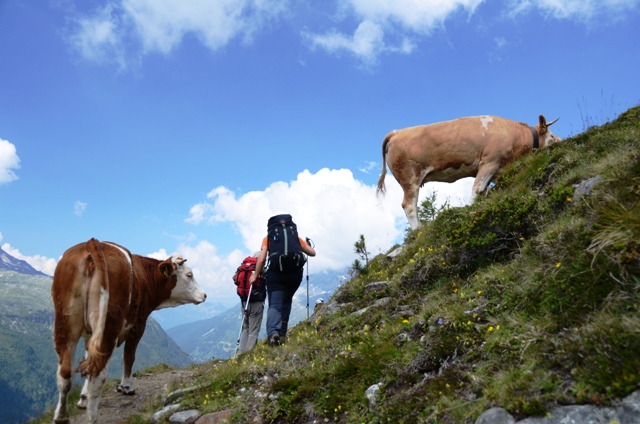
<point x="395" y="253"/>
<point x="372" y="396"/>
<point x="495" y="416"/>
<point x="158" y="416"/>
<point x="584" y="188"/>
<point x="185" y="417"/>
<point x="383" y="301"/>
<point x="177" y="394"/>
<point x="625" y="412"/>
<point x="376" y="287"/>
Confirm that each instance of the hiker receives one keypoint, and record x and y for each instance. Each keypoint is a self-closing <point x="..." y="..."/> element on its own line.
<point x="319" y="304"/>
<point x="253" y="310"/>
<point x="286" y="252"/>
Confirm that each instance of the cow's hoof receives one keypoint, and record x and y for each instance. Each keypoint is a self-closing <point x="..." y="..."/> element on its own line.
<point x="61" y="421"/>
<point x="126" y="390"/>
<point x="82" y="403"/>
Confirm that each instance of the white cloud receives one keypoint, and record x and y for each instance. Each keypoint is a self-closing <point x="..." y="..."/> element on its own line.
<point x="99" y="38"/>
<point x="122" y="31"/>
<point x="368" y="167"/>
<point x="331" y="207"/>
<point x="9" y="161"/>
<point x="587" y="11"/>
<point x="41" y="263"/>
<point x="382" y="19"/>
<point x="161" y="25"/>
<point x="79" y="208"/>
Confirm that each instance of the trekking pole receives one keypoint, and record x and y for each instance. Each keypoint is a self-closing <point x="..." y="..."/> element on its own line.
<point x="309" y="242"/>
<point x="244" y="316"/>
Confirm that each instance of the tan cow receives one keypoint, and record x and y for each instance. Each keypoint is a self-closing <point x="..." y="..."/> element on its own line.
<point x="103" y="293"/>
<point x="476" y="146"/>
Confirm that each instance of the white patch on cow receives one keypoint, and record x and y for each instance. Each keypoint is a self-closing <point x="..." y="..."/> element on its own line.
<point x="124" y="252"/>
<point x="126" y="255"/>
<point x="93" y="396"/>
<point x="126" y="386"/>
<point x="485" y="121"/>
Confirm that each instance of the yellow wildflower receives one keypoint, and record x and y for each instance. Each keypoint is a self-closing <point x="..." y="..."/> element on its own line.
<point x="490" y="329"/>
<point x="558" y="264"/>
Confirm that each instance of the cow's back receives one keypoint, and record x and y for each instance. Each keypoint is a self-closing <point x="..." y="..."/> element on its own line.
<point x="458" y="145"/>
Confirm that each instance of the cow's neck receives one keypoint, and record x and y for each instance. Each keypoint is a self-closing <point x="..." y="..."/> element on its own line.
<point x="536" y="137"/>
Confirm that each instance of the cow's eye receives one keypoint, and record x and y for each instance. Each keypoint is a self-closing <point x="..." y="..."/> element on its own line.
<point x="189" y="275"/>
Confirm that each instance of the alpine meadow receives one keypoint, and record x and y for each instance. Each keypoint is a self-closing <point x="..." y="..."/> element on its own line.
<point x="526" y="299"/>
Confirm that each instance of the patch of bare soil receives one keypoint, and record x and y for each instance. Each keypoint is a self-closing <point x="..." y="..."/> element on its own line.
<point x="116" y="408"/>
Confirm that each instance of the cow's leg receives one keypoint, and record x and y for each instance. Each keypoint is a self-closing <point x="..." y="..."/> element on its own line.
<point x="414" y="177"/>
<point x="63" y="380"/>
<point x="82" y="402"/>
<point x="66" y="352"/>
<point x="126" y="386"/>
<point x="410" y="206"/>
<point x="483" y="178"/>
<point x="94" y="391"/>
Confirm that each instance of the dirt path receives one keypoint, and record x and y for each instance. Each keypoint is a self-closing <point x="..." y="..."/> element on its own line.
<point x="116" y="408"/>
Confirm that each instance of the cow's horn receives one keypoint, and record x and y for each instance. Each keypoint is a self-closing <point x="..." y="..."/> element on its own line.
<point x="552" y="122"/>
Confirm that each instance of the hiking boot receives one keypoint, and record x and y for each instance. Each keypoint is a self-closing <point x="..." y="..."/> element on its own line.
<point x="274" y="340"/>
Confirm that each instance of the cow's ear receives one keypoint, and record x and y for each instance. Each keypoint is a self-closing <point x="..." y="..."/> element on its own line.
<point x="166" y="268"/>
<point x="543" y="125"/>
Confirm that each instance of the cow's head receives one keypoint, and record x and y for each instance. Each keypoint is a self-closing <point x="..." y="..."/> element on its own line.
<point x="543" y="131"/>
<point x="186" y="288"/>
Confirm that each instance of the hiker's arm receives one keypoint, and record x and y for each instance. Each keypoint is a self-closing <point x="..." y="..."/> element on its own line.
<point x="259" y="264"/>
<point x="310" y="251"/>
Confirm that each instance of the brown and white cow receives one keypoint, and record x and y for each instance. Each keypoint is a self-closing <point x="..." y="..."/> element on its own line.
<point x="103" y="293"/>
<point x="476" y="146"/>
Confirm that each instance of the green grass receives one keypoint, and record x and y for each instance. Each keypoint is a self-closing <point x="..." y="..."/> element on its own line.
<point x="527" y="299"/>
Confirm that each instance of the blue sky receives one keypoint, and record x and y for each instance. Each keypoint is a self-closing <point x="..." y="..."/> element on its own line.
<point x="183" y="125"/>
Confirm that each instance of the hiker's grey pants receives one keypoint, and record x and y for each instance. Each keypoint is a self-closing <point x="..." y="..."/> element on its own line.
<point x="251" y="325"/>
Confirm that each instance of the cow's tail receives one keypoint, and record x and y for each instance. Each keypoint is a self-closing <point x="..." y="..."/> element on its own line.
<point x="385" y="146"/>
<point x="96" y="302"/>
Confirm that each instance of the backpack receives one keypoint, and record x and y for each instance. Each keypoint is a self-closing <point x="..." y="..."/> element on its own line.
<point x="285" y="250"/>
<point x="241" y="280"/>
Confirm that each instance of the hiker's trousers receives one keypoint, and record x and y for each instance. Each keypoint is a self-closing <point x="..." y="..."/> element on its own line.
<point x="251" y="325"/>
<point x="280" y="291"/>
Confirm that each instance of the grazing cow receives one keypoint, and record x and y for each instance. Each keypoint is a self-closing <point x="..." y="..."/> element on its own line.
<point x="103" y="293"/>
<point x="477" y="146"/>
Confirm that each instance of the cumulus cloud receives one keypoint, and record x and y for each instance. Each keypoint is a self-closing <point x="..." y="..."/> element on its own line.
<point x="41" y="263"/>
<point x="123" y="31"/>
<point x="79" y="208"/>
<point x="160" y="26"/>
<point x="380" y="20"/>
<point x="9" y="162"/>
<point x="317" y="204"/>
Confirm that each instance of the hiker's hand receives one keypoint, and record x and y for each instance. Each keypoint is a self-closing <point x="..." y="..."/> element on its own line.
<point x="252" y="279"/>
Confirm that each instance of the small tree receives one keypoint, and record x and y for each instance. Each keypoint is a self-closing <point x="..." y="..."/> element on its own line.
<point x="360" y="247"/>
<point x="428" y="210"/>
<point x="356" y="267"/>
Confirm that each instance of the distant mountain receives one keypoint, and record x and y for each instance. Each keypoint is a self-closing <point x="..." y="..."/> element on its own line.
<point x="173" y="317"/>
<point x="28" y="361"/>
<point x="9" y="263"/>
<point x="217" y="337"/>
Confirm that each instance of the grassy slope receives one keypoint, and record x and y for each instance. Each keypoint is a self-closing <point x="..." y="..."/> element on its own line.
<point x="527" y="299"/>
